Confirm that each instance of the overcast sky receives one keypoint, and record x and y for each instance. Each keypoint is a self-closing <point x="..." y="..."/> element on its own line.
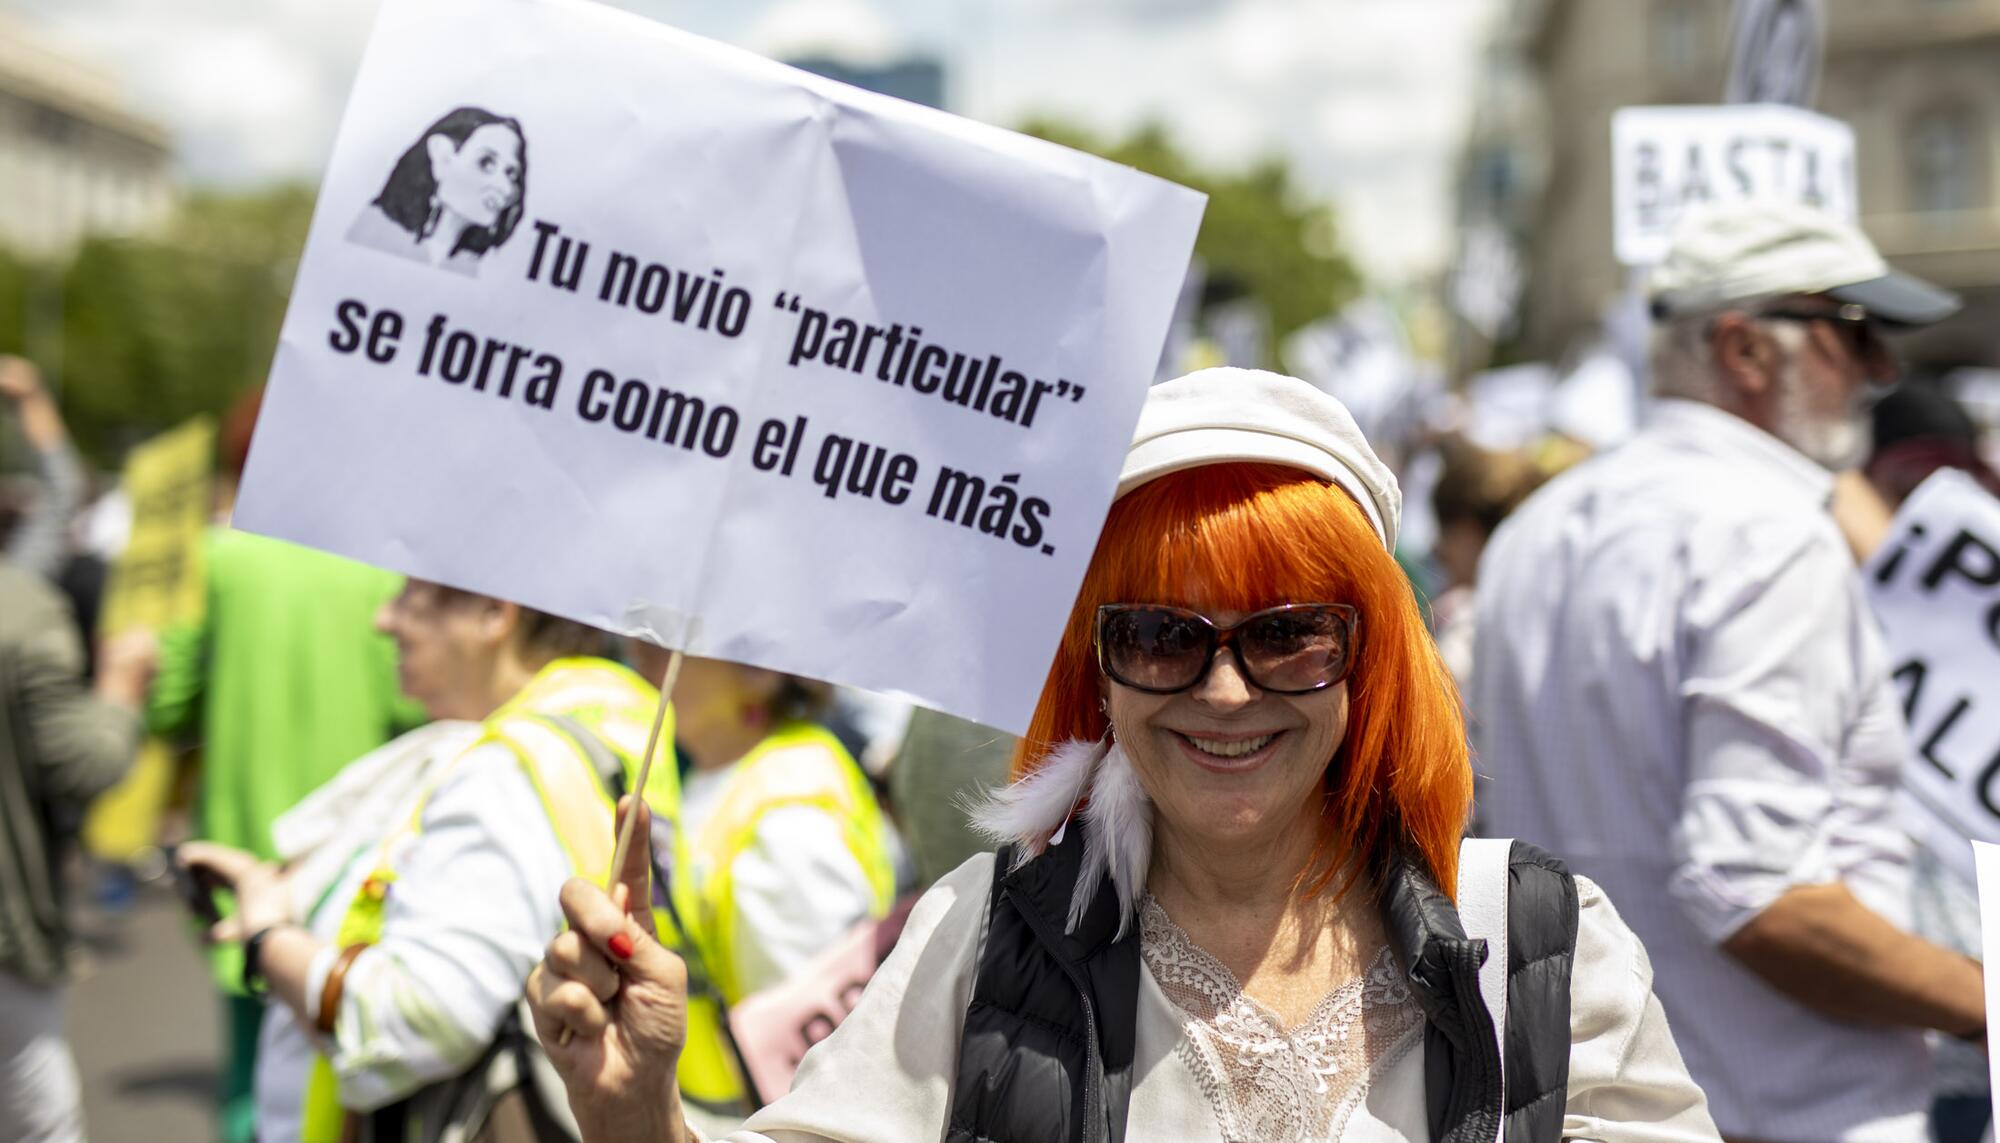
<point x="1368" y="98"/>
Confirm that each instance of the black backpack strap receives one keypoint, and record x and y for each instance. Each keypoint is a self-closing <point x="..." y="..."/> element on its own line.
<point x="461" y="1109"/>
<point x="1542" y="922"/>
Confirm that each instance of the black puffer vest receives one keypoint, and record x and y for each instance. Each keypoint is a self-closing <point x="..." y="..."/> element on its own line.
<point x="1047" y="1050"/>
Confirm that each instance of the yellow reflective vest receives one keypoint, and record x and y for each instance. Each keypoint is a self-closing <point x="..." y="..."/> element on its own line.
<point x="799" y="764"/>
<point x="557" y="727"/>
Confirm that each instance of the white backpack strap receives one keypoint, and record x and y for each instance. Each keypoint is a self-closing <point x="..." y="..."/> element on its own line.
<point x="1482" y="908"/>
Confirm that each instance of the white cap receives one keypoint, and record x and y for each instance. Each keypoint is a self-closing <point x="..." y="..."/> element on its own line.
<point x="1738" y="251"/>
<point x="1215" y="416"/>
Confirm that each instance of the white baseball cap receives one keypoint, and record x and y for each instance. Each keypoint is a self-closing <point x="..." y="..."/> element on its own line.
<point x="1733" y="252"/>
<point x="1215" y="416"/>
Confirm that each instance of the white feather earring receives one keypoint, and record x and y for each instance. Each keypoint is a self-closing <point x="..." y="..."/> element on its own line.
<point x="1039" y="806"/>
<point x="1120" y="840"/>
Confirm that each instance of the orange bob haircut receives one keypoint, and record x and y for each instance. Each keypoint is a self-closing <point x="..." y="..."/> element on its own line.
<point x="1242" y="537"/>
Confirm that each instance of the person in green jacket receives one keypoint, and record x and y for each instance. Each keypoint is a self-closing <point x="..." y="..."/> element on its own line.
<point x="62" y="743"/>
<point x="282" y="682"/>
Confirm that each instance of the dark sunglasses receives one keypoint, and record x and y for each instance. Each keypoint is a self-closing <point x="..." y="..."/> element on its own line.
<point x="1860" y="331"/>
<point x="1290" y="650"/>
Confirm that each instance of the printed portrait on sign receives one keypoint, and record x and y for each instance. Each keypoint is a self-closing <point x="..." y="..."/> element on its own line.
<point x="455" y="194"/>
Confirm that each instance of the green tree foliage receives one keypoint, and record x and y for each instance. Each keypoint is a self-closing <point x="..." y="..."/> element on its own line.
<point x="1258" y="229"/>
<point x="16" y="296"/>
<point x="140" y="333"/>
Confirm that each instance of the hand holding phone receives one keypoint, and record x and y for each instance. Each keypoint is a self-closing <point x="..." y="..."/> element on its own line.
<point x="196" y="887"/>
<point x="261" y="889"/>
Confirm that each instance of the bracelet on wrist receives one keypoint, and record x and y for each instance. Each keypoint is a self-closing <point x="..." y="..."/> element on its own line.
<point x="253" y="961"/>
<point x="333" y="988"/>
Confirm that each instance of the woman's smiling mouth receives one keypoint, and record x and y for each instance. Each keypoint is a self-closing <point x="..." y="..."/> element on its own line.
<point x="1230" y="754"/>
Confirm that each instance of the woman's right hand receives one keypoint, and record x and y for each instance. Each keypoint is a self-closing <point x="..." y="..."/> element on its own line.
<point x="610" y="1004"/>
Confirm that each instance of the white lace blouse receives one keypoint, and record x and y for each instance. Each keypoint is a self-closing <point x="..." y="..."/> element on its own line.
<point x="1213" y="1066"/>
<point x="1260" y="1079"/>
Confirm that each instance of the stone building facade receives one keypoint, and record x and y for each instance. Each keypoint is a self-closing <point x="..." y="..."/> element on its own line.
<point x="74" y="159"/>
<point x="1915" y="79"/>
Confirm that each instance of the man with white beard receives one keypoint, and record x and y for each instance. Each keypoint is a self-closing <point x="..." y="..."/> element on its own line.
<point x="1678" y="688"/>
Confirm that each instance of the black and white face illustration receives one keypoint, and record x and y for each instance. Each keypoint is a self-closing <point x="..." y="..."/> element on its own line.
<point x="454" y="194"/>
<point x="480" y="179"/>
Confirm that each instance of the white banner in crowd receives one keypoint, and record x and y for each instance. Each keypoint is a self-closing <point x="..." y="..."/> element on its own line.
<point x="1666" y="159"/>
<point x="1935" y="586"/>
<point x="1361" y="357"/>
<point x="1986" y="856"/>
<point x="673" y="340"/>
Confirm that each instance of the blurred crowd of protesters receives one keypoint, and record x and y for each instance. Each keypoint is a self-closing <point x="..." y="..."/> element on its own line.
<point x="283" y="664"/>
<point x="63" y="741"/>
<point x="438" y="856"/>
<point x="1670" y="672"/>
<point x="306" y="685"/>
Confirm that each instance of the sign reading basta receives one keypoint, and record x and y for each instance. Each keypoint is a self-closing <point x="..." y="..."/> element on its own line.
<point x="1665" y="160"/>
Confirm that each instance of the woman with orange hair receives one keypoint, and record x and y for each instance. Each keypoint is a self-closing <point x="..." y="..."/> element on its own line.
<point x="1232" y="901"/>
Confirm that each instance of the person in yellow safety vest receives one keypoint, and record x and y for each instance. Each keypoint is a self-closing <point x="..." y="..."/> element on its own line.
<point x="780" y="849"/>
<point x="419" y="885"/>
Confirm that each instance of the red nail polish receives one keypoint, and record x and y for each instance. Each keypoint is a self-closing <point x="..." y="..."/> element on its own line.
<point x="621" y="946"/>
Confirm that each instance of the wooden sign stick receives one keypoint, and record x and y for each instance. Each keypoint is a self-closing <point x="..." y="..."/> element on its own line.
<point x="639" y="786"/>
<point x="645" y="769"/>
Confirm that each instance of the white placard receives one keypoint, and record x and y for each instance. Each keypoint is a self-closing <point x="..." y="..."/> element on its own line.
<point x="1361" y="358"/>
<point x="728" y="356"/>
<point x="1666" y="159"/>
<point x="1508" y="408"/>
<point x="1986" y="856"/>
<point x="1935" y="587"/>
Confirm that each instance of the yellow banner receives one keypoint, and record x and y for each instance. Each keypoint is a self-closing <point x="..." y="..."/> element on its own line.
<point x="124" y="821"/>
<point x="157" y="582"/>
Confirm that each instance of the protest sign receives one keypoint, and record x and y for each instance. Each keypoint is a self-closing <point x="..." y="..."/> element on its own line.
<point x="1667" y="159"/>
<point x="1986" y="856"/>
<point x="1184" y="330"/>
<point x="1488" y="280"/>
<point x="1935" y="587"/>
<point x="1240" y="329"/>
<point x="156" y="583"/>
<point x="1597" y="401"/>
<point x="775" y="1027"/>
<point x="1508" y="408"/>
<point x="1361" y="357"/>
<point x="670" y="339"/>
<point x="157" y="579"/>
